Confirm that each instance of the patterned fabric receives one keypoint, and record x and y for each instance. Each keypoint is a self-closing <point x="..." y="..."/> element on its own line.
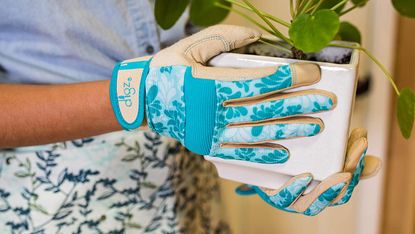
<point x="269" y="132"/>
<point x="166" y="112"/>
<point x="198" y="200"/>
<point x="231" y="90"/>
<point x="286" y="196"/>
<point x="165" y="101"/>
<point x="43" y="191"/>
<point x="355" y="180"/>
<point x="324" y="199"/>
<point x="291" y="106"/>
<point x="102" y="184"/>
<point x="281" y="79"/>
<point x="257" y="155"/>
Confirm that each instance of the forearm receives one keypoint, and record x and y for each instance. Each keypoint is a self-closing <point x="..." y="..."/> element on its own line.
<point x="40" y="114"/>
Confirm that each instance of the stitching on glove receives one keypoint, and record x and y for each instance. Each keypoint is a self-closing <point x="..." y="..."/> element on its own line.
<point x="293" y="75"/>
<point x="211" y="38"/>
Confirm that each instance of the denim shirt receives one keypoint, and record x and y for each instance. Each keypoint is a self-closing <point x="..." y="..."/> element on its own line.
<point x="72" y="41"/>
<point x="123" y="182"/>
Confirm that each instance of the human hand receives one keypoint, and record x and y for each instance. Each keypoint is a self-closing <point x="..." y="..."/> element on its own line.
<point x="222" y="112"/>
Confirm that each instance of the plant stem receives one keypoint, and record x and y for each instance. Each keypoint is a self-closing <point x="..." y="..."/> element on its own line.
<point x="317" y="6"/>
<point x="276" y="32"/>
<point x="304" y="8"/>
<point x="278" y="45"/>
<point x="269" y="16"/>
<point x="339" y="5"/>
<point x="279" y="42"/>
<point x="247" y="17"/>
<point x="375" y="60"/>
<point x="297" y="5"/>
<point x="348" y="10"/>
<point x="292" y="8"/>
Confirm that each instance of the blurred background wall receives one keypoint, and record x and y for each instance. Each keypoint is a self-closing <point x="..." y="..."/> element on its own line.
<point x="399" y="209"/>
<point x="363" y="214"/>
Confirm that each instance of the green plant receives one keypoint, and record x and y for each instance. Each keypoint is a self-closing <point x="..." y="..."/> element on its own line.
<point x="314" y="25"/>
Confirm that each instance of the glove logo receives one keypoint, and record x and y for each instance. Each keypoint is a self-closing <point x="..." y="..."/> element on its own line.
<point x="127" y="93"/>
<point x="127" y="97"/>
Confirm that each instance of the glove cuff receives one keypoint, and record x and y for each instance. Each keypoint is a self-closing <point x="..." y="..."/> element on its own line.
<point x="127" y="91"/>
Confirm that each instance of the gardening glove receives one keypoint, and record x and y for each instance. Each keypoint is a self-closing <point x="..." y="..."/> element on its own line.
<point x="333" y="191"/>
<point x="222" y="112"/>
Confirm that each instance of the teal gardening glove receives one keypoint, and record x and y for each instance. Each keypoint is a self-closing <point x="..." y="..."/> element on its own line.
<point x="222" y="112"/>
<point x="335" y="190"/>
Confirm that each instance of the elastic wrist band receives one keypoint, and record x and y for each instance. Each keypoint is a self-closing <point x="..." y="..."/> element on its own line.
<point x="127" y="92"/>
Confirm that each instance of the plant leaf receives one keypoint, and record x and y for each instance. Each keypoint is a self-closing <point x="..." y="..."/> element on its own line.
<point x="311" y="33"/>
<point x="349" y="32"/>
<point x="206" y="13"/>
<point x="405" y="7"/>
<point x="167" y="12"/>
<point x="406" y="111"/>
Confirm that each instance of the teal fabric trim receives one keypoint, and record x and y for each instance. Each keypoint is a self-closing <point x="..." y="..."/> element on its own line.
<point x="200" y="109"/>
<point x="245" y="190"/>
<point x="141" y="92"/>
<point x="134" y="65"/>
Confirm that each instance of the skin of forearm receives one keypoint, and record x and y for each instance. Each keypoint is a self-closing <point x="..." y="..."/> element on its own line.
<point x="40" y="114"/>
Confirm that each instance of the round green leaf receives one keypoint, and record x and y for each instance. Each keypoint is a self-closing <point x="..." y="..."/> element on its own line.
<point x="206" y="13"/>
<point x="327" y="4"/>
<point x="405" y="7"/>
<point x="406" y="111"/>
<point x="311" y="33"/>
<point x="167" y="12"/>
<point x="349" y="32"/>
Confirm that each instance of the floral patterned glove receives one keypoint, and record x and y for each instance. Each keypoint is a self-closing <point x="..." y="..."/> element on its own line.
<point x="224" y="112"/>
<point x="335" y="190"/>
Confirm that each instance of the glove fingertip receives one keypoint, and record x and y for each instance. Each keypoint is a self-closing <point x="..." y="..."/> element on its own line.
<point x="245" y="190"/>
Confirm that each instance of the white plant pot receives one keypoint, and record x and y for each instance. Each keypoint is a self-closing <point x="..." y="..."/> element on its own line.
<point x="321" y="155"/>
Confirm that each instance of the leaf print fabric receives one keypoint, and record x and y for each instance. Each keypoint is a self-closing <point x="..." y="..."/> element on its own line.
<point x="126" y="182"/>
<point x="165" y="101"/>
<point x="311" y="103"/>
<point x="324" y="199"/>
<point x="291" y="106"/>
<point x="269" y="132"/>
<point x="257" y="155"/>
<point x="166" y="109"/>
<point x="230" y="90"/>
<point x="355" y="180"/>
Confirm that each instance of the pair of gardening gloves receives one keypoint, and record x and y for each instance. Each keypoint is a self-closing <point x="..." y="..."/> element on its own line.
<point x="239" y="114"/>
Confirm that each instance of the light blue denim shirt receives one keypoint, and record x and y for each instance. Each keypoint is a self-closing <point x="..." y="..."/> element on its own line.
<point x="123" y="182"/>
<point x="72" y="41"/>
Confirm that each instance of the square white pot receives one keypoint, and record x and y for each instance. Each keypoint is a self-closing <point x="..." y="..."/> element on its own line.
<point x="321" y="155"/>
